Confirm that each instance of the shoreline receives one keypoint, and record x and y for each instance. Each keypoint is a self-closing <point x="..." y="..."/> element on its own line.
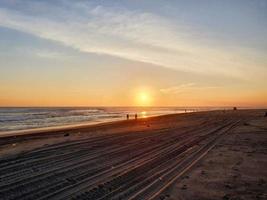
<point x="4" y="134"/>
<point x="84" y="125"/>
<point x="13" y="133"/>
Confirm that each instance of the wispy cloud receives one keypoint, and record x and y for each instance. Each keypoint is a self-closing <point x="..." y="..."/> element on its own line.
<point x="129" y="34"/>
<point x="187" y="87"/>
<point x="49" y="54"/>
<point x="45" y="53"/>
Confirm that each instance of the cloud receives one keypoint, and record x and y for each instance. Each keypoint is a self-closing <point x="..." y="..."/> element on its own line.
<point x="49" y="54"/>
<point x="129" y="34"/>
<point x="45" y="53"/>
<point x="187" y="87"/>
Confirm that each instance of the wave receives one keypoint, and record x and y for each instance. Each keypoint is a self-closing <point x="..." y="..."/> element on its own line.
<point x="28" y="118"/>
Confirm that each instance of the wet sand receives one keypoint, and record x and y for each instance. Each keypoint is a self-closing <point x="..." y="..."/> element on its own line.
<point x="205" y="155"/>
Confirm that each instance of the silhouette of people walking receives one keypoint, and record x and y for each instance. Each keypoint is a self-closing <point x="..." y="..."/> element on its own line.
<point x="135" y="116"/>
<point x="127" y="116"/>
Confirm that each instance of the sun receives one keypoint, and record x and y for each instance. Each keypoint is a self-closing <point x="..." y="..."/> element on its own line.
<point x="144" y="98"/>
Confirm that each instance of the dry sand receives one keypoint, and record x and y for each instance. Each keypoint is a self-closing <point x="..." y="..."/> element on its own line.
<point x="235" y="169"/>
<point x="205" y="155"/>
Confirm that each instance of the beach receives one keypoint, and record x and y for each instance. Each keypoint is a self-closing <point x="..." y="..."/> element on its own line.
<point x="200" y="155"/>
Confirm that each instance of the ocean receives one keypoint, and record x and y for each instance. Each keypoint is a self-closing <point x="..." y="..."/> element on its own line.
<point x="13" y="119"/>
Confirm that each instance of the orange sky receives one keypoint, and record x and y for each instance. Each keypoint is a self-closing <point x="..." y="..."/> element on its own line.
<point x="128" y="54"/>
<point x="132" y="97"/>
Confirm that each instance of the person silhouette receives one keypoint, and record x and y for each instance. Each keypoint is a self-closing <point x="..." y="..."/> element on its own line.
<point x="127" y="116"/>
<point x="135" y="116"/>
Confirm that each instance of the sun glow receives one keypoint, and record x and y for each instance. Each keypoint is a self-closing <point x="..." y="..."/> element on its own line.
<point x="144" y="99"/>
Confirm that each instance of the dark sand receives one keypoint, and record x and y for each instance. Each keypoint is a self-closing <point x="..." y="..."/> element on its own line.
<point x="205" y="155"/>
<point x="235" y="169"/>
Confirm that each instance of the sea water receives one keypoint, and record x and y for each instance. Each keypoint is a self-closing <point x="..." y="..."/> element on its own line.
<point x="12" y="119"/>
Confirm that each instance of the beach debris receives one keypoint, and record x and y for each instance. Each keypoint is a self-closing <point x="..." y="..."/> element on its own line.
<point x="210" y="162"/>
<point x="146" y="124"/>
<point x="66" y="134"/>
<point x="14" y="144"/>
<point x="184" y="187"/>
<point x="246" y="124"/>
<point x="228" y="186"/>
<point x="203" y="172"/>
<point x="235" y="176"/>
<point x="226" y="197"/>
<point x="162" y="197"/>
<point x="261" y="182"/>
<point x="259" y="196"/>
<point x="235" y="169"/>
<point x="185" y="177"/>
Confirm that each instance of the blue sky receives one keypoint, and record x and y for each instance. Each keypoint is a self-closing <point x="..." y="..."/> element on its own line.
<point x="188" y="47"/>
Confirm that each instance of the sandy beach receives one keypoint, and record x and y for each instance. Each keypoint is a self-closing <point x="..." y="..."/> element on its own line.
<point x="201" y="155"/>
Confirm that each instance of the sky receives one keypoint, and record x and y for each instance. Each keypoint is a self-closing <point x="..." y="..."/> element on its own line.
<point x="133" y="53"/>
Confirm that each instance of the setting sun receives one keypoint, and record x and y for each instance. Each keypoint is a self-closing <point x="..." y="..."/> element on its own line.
<point x="144" y="99"/>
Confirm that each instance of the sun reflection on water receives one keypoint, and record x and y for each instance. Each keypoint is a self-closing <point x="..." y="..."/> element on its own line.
<point x="143" y="114"/>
